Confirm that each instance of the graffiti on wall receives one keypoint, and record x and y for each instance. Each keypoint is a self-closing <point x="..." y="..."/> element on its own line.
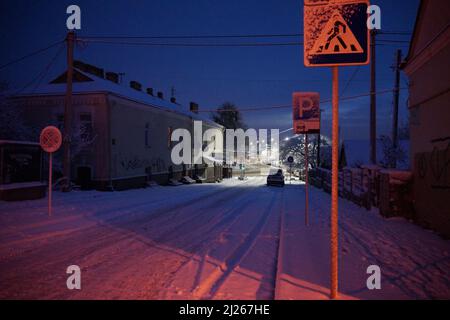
<point x="435" y="165"/>
<point x="130" y="163"/>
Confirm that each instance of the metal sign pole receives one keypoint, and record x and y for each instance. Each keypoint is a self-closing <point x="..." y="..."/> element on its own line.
<point x="306" y="182"/>
<point x="334" y="186"/>
<point x="50" y="169"/>
<point x="290" y="173"/>
<point x="50" y="141"/>
<point x="339" y="40"/>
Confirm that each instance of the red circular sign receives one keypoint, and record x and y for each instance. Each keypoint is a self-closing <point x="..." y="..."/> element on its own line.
<point x="50" y="139"/>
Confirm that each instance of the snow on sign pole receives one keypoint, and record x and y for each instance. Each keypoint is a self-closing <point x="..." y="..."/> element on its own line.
<point x="335" y="34"/>
<point x="306" y="117"/>
<point x="50" y="141"/>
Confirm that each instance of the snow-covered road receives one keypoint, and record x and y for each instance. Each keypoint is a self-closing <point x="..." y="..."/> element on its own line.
<point x="234" y="240"/>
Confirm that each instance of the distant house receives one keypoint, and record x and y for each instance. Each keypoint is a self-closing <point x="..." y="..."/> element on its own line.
<point x="122" y="134"/>
<point x="427" y="66"/>
<point x="355" y="153"/>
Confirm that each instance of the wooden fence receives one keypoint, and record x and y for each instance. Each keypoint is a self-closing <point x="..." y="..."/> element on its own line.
<point x="371" y="186"/>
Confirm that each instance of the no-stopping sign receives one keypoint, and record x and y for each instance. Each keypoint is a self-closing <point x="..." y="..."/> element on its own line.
<point x="50" y="139"/>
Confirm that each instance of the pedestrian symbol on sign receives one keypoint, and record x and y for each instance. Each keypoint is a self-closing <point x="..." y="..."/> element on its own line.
<point x="337" y="38"/>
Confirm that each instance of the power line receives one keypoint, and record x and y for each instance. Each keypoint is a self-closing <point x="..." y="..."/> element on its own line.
<point x="48" y="67"/>
<point x="396" y="33"/>
<point x="220" y="36"/>
<point x="41" y="74"/>
<point x="240" y="44"/>
<point x="166" y="44"/>
<point x="276" y="81"/>
<point x="97" y="39"/>
<point x="350" y="80"/>
<point x="392" y="41"/>
<point x="237" y="36"/>
<point x="249" y="109"/>
<point x="30" y="55"/>
<point x="390" y="44"/>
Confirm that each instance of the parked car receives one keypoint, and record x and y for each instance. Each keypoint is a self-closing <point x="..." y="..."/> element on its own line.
<point x="276" y="179"/>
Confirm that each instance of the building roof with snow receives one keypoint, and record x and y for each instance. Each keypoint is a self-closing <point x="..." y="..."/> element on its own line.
<point x="88" y="79"/>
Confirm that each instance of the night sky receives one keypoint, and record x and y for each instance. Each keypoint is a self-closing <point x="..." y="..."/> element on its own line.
<point x="247" y="76"/>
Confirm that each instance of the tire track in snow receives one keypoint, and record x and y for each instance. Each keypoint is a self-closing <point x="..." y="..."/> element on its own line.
<point x="198" y="249"/>
<point x="99" y="243"/>
<point x="121" y="212"/>
<point x="212" y="284"/>
<point x="198" y="237"/>
<point x="280" y="250"/>
<point x="183" y="216"/>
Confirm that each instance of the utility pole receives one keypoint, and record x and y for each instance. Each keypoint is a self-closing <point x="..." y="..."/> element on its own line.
<point x="334" y="185"/>
<point x="68" y="112"/>
<point x="373" y="100"/>
<point x="396" y="102"/>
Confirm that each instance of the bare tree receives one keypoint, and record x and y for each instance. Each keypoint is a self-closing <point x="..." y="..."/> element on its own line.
<point x="392" y="155"/>
<point x="13" y="126"/>
<point x="229" y="116"/>
<point x="295" y="147"/>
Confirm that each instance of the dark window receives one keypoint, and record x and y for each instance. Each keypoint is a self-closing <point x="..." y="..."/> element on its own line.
<point x="86" y="129"/>
<point x="60" y="121"/>
<point x="85" y="117"/>
<point x="146" y="135"/>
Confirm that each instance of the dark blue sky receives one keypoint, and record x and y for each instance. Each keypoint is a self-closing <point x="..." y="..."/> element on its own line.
<point x="247" y="76"/>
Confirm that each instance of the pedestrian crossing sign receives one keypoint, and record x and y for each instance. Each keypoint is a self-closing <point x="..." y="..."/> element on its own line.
<point x="336" y="33"/>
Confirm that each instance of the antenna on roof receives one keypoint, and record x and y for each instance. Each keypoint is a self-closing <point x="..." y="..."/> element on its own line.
<point x="121" y="74"/>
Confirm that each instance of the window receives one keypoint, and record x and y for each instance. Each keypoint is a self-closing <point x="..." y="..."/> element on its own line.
<point x="146" y="135"/>
<point x="60" y="121"/>
<point x="85" y="117"/>
<point x="86" y="129"/>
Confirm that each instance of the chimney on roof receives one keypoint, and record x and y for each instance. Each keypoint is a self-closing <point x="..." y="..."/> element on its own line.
<point x="160" y="95"/>
<point x="150" y="91"/>
<point x="193" y="107"/>
<point x="135" y="85"/>
<point x="112" y="76"/>
<point x="173" y="100"/>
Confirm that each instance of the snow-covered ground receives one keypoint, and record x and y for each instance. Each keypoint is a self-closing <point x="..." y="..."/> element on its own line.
<point x="234" y="240"/>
